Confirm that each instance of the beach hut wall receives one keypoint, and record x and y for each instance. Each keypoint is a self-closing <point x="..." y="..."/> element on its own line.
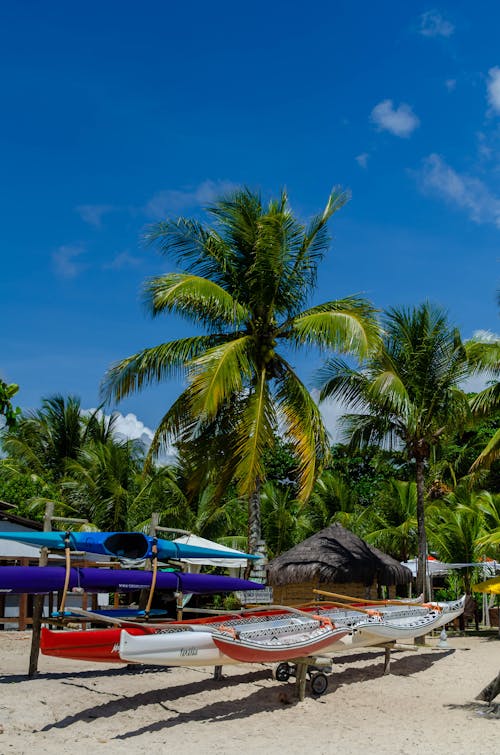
<point x="302" y="592"/>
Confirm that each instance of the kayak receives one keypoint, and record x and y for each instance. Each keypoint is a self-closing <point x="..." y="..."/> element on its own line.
<point x="129" y="545"/>
<point x="43" y="579"/>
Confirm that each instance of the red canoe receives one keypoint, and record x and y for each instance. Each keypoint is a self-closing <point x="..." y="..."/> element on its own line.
<point x="96" y="645"/>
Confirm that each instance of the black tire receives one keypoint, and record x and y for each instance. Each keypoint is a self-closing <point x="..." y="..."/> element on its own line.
<point x="282" y="672"/>
<point x="319" y="684"/>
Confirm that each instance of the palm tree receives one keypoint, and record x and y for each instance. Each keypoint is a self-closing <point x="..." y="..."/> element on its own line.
<point x="485" y="356"/>
<point x="245" y="280"/>
<point x="45" y="439"/>
<point x="456" y="531"/>
<point x="408" y="395"/>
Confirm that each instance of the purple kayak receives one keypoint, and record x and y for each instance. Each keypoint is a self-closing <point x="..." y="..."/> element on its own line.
<point x="43" y="579"/>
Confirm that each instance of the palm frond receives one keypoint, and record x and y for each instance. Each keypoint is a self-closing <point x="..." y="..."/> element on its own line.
<point x="488" y="455"/>
<point x="304" y="426"/>
<point x="196" y="298"/>
<point x="217" y="374"/>
<point x="346" y="325"/>
<point x="192" y="246"/>
<point x="154" y="365"/>
<point x="255" y="433"/>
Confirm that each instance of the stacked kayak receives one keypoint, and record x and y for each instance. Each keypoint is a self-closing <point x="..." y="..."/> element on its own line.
<point x="44" y="579"/>
<point x="126" y="545"/>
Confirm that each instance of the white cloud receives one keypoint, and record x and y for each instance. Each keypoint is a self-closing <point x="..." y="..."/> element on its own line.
<point x="450" y="84"/>
<point x="400" y="121"/>
<point x="122" y="261"/>
<point x="129" y="427"/>
<point x="493" y="87"/>
<point x="362" y="159"/>
<point x="176" y="200"/>
<point x="94" y="213"/>
<point x="486" y="336"/>
<point x="463" y="191"/>
<point x="64" y="260"/>
<point x="433" y="24"/>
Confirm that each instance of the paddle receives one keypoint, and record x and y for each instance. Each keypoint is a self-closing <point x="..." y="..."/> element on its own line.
<point x="350" y="599"/>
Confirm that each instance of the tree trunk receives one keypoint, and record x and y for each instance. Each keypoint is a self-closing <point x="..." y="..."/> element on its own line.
<point x="254" y="523"/>
<point x="422" y="586"/>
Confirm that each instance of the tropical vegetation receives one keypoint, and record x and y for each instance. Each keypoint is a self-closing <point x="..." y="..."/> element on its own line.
<point x="418" y="471"/>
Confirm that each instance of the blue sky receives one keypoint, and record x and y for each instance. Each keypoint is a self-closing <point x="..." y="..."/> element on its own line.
<point x="117" y="114"/>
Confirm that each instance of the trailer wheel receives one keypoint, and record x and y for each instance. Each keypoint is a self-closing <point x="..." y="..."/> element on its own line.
<point x="282" y="672"/>
<point x="319" y="684"/>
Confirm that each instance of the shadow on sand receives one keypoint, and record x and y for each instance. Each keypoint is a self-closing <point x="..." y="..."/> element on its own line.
<point x="263" y="699"/>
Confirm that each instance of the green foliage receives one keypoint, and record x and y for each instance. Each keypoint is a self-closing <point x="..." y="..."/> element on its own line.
<point x="365" y="470"/>
<point x="10" y="413"/>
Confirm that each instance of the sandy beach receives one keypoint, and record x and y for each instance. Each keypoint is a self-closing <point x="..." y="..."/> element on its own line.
<point x="426" y="704"/>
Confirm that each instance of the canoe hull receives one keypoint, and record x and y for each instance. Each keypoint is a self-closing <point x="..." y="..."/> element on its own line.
<point x="95" y="645"/>
<point x="43" y="579"/>
<point x="259" y="652"/>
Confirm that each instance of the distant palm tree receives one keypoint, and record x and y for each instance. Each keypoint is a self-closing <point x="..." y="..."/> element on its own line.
<point x="456" y="531"/>
<point x="484" y="355"/>
<point x="247" y="279"/>
<point x="408" y="395"/>
<point x="45" y="439"/>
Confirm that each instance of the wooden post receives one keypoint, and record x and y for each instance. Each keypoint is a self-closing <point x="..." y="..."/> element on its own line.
<point x="387" y="659"/>
<point x="144" y="594"/>
<point x="218" y="673"/>
<point x="300" y="684"/>
<point x="39" y="599"/>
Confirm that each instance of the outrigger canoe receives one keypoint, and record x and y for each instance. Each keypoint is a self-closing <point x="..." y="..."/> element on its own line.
<point x="197" y="644"/>
<point x="265" y="637"/>
<point x="43" y="579"/>
<point x="279" y="634"/>
<point x="127" y="545"/>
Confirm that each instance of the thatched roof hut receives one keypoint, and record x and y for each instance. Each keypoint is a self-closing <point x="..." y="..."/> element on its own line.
<point x="330" y="558"/>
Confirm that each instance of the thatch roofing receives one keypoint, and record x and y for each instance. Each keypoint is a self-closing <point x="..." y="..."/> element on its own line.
<point x="336" y="555"/>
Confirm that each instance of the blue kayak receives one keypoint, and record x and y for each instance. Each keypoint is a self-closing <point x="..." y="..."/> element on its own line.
<point x="43" y="579"/>
<point x="130" y="545"/>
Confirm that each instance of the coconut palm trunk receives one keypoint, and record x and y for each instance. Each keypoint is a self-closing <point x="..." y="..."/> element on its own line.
<point x="254" y="518"/>
<point x="422" y="582"/>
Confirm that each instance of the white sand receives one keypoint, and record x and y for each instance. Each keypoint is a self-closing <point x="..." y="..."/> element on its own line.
<point x="426" y="705"/>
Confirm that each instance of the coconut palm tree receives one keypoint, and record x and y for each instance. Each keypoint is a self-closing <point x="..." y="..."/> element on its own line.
<point x="408" y="395"/>
<point x="245" y="280"/>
